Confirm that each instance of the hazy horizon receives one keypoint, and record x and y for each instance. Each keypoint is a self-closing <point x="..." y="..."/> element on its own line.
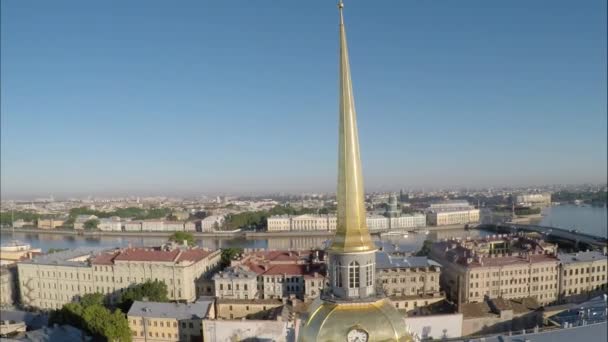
<point x="234" y="97"/>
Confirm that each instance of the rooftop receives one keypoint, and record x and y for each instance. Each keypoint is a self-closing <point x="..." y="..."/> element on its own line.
<point x="587" y="333"/>
<point x="179" y="311"/>
<point x="71" y="257"/>
<point x="386" y="260"/>
<point x="152" y="254"/>
<point x="567" y="258"/>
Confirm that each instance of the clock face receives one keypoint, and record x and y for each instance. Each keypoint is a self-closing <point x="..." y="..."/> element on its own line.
<point x="357" y="335"/>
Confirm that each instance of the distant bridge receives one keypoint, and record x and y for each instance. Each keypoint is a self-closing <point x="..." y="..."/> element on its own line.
<point x="576" y="237"/>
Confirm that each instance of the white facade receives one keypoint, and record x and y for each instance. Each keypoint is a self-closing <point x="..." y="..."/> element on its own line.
<point x="211" y="223"/>
<point x="416" y="220"/>
<point x="152" y="226"/>
<point x="81" y="219"/>
<point x="533" y="199"/>
<point x="109" y="224"/>
<point x="326" y="222"/>
<point x="133" y="226"/>
<point x="173" y="226"/>
<point x="377" y="222"/>
<point x="449" y="217"/>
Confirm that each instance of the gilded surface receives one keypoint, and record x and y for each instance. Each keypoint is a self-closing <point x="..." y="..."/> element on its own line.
<point x="352" y="234"/>
<point x="331" y="322"/>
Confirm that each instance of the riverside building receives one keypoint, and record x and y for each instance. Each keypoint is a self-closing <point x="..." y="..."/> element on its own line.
<point x="50" y="281"/>
<point x="309" y="222"/>
<point x="451" y="213"/>
<point x="582" y="274"/>
<point x="498" y="267"/>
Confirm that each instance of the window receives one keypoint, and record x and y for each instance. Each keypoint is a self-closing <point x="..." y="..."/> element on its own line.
<point x="353" y="275"/>
<point x="338" y="275"/>
<point x="245" y="287"/>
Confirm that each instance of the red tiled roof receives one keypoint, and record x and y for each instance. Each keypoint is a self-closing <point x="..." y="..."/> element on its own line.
<point x="150" y="254"/>
<point x="104" y="259"/>
<point x="193" y="255"/>
<point x="147" y="254"/>
<point x="290" y="269"/>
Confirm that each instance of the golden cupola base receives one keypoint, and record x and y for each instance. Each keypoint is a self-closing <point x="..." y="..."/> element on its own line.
<point x="374" y="320"/>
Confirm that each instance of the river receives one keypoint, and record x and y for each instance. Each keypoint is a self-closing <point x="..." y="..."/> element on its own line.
<point x="585" y="218"/>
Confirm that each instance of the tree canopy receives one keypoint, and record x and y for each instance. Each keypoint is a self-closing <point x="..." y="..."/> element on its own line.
<point x="91" y="224"/>
<point x="153" y="290"/>
<point x="426" y="248"/>
<point x="91" y="316"/>
<point x="179" y="237"/>
<point x="131" y="212"/>
<point x="229" y="254"/>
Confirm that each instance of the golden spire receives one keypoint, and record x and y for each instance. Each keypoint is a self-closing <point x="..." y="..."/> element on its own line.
<point x="352" y="234"/>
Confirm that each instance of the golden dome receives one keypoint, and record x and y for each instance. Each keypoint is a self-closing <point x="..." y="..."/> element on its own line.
<point x="359" y="321"/>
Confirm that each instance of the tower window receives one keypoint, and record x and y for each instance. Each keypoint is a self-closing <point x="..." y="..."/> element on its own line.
<point x="369" y="274"/>
<point x="338" y="276"/>
<point x="353" y="275"/>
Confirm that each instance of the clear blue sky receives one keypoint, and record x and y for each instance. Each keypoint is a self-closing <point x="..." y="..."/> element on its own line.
<point x="241" y="96"/>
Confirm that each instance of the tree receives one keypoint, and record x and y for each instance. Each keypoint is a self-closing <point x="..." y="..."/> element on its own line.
<point x="426" y="248"/>
<point x="154" y="291"/>
<point x="228" y="254"/>
<point x="91" y="224"/>
<point x="90" y="299"/>
<point x="117" y="327"/>
<point x="179" y="237"/>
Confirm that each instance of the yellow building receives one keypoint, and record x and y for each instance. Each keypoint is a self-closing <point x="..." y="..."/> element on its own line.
<point x="50" y="223"/>
<point x="50" y="281"/>
<point x="152" y="321"/>
<point x="582" y="274"/>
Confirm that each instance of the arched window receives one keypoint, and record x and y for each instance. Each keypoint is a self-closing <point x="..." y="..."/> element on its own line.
<point x="369" y="274"/>
<point x="353" y="275"/>
<point x="338" y="275"/>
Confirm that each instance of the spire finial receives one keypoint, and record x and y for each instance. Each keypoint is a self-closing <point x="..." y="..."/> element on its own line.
<point x="352" y="234"/>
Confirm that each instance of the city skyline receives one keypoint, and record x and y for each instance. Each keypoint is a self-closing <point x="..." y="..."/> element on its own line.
<point x="171" y="101"/>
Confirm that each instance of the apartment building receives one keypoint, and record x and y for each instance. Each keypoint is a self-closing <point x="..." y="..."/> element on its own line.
<point x="498" y="267"/>
<point x="211" y="223"/>
<point x="236" y="282"/>
<point x="273" y="275"/>
<point x="8" y="288"/>
<point x="407" y="275"/>
<point x="80" y="220"/>
<point x="582" y="273"/>
<point x="111" y="224"/>
<point x="409" y="281"/>
<point x="450" y="216"/>
<point x="159" y="226"/>
<point x="50" y="223"/>
<point x="152" y="321"/>
<point x="50" y="281"/>
<point x="242" y="308"/>
<point x="533" y="199"/>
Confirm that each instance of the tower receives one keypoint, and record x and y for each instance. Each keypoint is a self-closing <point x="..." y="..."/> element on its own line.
<point x="351" y="309"/>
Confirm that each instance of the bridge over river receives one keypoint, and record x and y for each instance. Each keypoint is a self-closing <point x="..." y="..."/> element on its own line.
<point x="578" y="239"/>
